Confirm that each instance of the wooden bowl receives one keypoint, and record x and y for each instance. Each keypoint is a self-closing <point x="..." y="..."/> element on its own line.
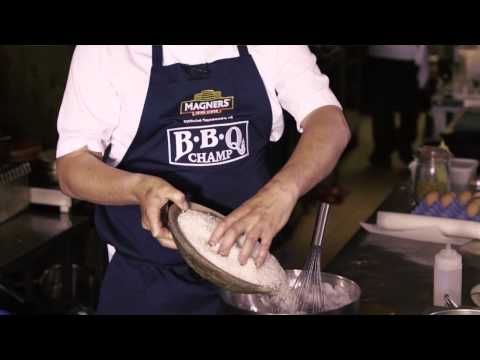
<point x="201" y="265"/>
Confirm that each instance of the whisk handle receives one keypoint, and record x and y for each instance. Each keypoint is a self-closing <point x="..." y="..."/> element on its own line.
<point x="320" y="223"/>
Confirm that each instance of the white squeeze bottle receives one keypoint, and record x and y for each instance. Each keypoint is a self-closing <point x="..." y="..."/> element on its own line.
<point x="447" y="277"/>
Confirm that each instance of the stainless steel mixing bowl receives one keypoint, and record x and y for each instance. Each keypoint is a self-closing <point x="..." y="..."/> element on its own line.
<point x="454" y="309"/>
<point x="255" y="304"/>
<point x="459" y="311"/>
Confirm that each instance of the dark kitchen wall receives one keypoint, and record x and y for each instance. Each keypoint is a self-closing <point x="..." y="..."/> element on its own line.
<point x="32" y="82"/>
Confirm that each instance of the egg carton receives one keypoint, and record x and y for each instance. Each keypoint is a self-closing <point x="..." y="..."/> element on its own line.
<point x="455" y="210"/>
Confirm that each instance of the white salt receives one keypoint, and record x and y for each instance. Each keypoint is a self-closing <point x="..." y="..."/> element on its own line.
<point x="198" y="227"/>
<point x="284" y="301"/>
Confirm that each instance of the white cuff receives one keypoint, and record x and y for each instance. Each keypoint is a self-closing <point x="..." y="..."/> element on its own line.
<point x="68" y="145"/>
<point x="310" y="106"/>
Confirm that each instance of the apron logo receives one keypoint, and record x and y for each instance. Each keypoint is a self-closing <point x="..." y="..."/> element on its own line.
<point x="207" y="102"/>
<point x="208" y="145"/>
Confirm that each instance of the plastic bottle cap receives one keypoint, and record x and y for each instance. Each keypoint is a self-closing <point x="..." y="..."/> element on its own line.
<point x="448" y="259"/>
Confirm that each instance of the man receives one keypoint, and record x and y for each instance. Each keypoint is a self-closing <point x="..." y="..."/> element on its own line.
<point x="395" y="75"/>
<point x="189" y="122"/>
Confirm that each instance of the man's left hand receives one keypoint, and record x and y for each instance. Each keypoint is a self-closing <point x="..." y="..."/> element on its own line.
<point x="260" y="218"/>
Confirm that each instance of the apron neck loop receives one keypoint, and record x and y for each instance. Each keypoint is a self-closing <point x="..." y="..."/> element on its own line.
<point x="157" y="55"/>
<point x="242" y="50"/>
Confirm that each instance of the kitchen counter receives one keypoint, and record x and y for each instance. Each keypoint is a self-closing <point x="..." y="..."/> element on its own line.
<point x="396" y="275"/>
<point x="32" y="229"/>
<point x="36" y="237"/>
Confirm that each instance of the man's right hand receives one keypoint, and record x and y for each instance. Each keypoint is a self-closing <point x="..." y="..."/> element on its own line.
<point x="152" y="194"/>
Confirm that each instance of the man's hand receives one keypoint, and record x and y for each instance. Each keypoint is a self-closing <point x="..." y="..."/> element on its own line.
<point x="153" y="193"/>
<point x="260" y="218"/>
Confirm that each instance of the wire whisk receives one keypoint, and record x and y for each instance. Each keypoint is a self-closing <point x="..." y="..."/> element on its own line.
<point x="308" y="288"/>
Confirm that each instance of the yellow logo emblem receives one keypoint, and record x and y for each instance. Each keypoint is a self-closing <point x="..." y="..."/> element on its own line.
<point x="207" y="102"/>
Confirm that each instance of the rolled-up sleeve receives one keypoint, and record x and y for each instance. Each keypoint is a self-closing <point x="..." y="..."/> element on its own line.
<point x="301" y="86"/>
<point x="90" y="107"/>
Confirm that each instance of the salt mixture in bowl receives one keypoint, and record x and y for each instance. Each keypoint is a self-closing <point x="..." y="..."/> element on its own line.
<point x="341" y="296"/>
<point x="284" y="299"/>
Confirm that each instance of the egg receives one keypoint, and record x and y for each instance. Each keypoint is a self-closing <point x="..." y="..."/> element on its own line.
<point x="476" y="195"/>
<point x="475" y="201"/>
<point x="473" y="209"/>
<point x="464" y="197"/>
<point x="447" y="199"/>
<point x="431" y="198"/>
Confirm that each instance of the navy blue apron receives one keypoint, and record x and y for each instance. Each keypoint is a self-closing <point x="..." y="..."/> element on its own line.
<point x="204" y="129"/>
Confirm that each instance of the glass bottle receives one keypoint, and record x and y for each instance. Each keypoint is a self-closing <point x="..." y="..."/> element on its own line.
<point x="432" y="172"/>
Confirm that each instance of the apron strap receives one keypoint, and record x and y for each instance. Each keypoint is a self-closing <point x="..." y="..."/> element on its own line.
<point x="157" y="55"/>
<point x="242" y="50"/>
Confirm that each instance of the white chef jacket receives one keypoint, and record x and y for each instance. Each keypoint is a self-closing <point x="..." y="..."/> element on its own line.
<point x="107" y="87"/>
